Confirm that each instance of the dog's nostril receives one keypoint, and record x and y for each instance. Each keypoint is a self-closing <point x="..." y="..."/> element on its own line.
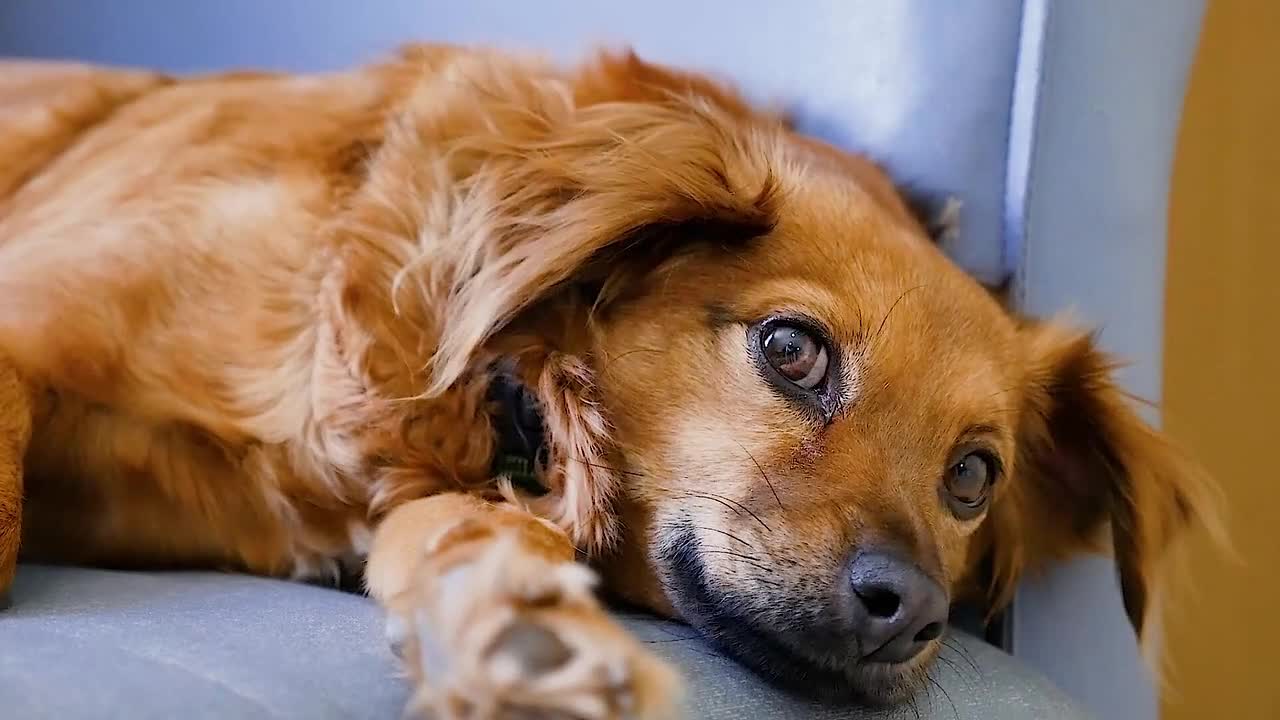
<point x="932" y="631"/>
<point x="899" y="611"/>
<point x="880" y="602"/>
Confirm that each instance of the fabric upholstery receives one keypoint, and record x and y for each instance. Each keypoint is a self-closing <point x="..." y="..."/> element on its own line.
<point x="87" y="644"/>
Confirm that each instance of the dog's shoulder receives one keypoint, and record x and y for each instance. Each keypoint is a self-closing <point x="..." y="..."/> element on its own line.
<point x="45" y="106"/>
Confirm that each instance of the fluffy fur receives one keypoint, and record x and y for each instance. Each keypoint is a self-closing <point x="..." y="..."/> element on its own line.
<point x="248" y="321"/>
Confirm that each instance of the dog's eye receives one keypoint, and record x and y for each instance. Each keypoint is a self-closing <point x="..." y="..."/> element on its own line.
<point x="795" y="354"/>
<point x="968" y="483"/>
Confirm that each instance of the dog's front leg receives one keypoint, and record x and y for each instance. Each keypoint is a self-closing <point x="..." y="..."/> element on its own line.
<point x="494" y="619"/>
<point x="15" y="432"/>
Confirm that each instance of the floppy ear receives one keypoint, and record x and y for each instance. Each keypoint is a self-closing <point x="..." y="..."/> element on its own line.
<point x="575" y="183"/>
<point x="620" y="187"/>
<point x="502" y="180"/>
<point x="1086" y="460"/>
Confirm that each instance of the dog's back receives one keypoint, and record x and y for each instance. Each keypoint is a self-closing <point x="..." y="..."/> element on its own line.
<point x="149" y="226"/>
<point x="167" y="247"/>
<point x="46" y="107"/>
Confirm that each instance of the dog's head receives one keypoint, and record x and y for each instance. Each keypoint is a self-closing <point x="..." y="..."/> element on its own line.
<point x="811" y="425"/>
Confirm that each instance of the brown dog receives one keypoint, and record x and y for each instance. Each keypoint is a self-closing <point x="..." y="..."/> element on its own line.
<point x="256" y="322"/>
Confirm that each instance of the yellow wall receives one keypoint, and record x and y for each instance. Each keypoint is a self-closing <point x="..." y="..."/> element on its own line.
<point x="1222" y="373"/>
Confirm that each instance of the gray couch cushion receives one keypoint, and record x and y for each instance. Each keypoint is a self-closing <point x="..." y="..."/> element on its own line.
<point x="105" y="644"/>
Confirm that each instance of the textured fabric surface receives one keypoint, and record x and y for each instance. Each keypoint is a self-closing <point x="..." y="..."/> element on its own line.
<point x="87" y="644"/>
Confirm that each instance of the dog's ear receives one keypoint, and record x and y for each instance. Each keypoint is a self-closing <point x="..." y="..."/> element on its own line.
<point x="557" y="190"/>
<point x="1087" y="460"/>
<point x="500" y="183"/>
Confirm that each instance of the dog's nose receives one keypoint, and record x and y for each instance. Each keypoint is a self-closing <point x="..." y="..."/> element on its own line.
<point x="898" y="609"/>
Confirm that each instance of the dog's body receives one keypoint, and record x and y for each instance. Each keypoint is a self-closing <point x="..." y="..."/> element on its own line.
<point x="251" y="322"/>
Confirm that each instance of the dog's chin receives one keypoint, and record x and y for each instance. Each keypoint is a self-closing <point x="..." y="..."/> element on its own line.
<point x="822" y="677"/>
<point x="794" y="661"/>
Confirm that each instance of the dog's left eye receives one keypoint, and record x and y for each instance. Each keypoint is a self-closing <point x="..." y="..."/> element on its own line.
<point x="795" y="354"/>
<point x="968" y="483"/>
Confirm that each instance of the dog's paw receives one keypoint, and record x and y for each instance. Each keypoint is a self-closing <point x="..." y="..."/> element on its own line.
<point x="511" y="635"/>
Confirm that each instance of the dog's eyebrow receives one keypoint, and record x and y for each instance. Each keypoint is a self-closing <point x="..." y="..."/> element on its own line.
<point x="718" y="315"/>
<point x="984" y="429"/>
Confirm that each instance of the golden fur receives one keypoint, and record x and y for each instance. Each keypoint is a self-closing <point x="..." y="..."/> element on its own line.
<point x="247" y="321"/>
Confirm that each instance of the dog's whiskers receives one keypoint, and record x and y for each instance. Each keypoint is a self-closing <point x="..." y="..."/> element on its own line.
<point x="951" y="664"/>
<point x="737" y="507"/>
<point x="763" y="475"/>
<point x="729" y="503"/>
<point x="739" y="556"/>
<point x="599" y="466"/>
<point x="725" y="533"/>
<point x="754" y="561"/>
<point x="731" y="553"/>
<point x="892" y="307"/>
<point x="954" y="710"/>
<point x="964" y="654"/>
<point x="915" y="706"/>
<point x="610" y="361"/>
<point x="677" y="638"/>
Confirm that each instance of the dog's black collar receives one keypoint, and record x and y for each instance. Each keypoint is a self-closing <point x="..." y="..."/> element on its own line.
<point x="521" y="451"/>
